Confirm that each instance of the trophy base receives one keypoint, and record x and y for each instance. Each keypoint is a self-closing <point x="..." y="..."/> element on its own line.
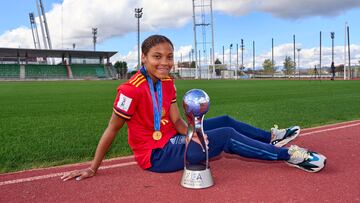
<point x="197" y="179"/>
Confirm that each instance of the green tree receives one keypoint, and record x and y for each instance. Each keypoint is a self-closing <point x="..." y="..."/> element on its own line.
<point x="289" y="66"/>
<point x="121" y="68"/>
<point x="269" y="67"/>
<point x="339" y="68"/>
<point x="217" y="61"/>
<point x="192" y="65"/>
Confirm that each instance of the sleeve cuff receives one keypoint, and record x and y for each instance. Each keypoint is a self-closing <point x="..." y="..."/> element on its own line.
<point x="122" y="115"/>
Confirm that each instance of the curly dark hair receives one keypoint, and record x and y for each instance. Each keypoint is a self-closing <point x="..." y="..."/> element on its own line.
<point x="152" y="41"/>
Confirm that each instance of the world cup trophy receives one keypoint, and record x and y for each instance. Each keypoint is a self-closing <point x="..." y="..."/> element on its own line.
<point x="197" y="174"/>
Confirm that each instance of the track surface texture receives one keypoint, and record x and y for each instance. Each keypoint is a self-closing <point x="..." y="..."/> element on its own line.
<point x="236" y="179"/>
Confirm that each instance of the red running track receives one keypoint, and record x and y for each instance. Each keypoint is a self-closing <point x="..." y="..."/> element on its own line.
<point x="236" y="179"/>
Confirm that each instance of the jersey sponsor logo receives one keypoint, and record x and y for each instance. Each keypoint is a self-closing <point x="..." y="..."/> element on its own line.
<point x="179" y="139"/>
<point x="124" y="102"/>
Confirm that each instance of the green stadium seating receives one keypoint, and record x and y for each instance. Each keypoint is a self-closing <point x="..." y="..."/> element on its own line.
<point x="88" y="71"/>
<point x="11" y="71"/>
<point x="37" y="71"/>
<point x="44" y="71"/>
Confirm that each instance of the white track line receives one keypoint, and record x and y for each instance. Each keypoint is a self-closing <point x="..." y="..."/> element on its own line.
<point x="329" y="129"/>
<point x="51" y="175"/>
<point x="21" y="180"/>
<point x="131" y="157"/>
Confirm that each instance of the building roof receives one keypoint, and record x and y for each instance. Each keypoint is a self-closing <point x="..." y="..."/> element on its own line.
<point x="19" y="52"/>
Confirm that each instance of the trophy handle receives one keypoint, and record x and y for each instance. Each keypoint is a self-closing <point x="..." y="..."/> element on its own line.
<point x="196" y="125"/>
<point x="199" y="128"/>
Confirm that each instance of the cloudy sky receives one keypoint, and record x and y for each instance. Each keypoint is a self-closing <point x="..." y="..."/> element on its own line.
<point x="70" y="22"/>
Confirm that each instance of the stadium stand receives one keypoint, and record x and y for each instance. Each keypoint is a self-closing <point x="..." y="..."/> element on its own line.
<point x="31" y="64"/>
<point x="9" y="71"/>
<point x="88" y="71"/>
<point x="39" y="71"/>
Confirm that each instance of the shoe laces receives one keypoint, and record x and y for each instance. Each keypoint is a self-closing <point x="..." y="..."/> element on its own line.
<point x="277" y="133"/>
<point x="297" y="153"/>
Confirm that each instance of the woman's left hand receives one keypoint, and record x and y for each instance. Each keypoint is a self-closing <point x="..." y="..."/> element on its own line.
<point x="196" y="139"/>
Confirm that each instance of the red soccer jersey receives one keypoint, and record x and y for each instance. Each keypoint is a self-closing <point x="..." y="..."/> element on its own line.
<point x="134" y="103"/>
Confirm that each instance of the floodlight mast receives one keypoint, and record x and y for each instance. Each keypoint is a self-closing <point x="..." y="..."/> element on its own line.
<point x="46" y="25"/>
<point x="138" y="15"/>
<point x="34" y="31"/>
<point x="332" y="35"/>
<point x="94" y="32"/>
<point x="298" y="63"/>
<point x="41" y="25"/>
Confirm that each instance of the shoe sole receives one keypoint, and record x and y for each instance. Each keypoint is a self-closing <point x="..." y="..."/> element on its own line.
<point x="287" y="140"/>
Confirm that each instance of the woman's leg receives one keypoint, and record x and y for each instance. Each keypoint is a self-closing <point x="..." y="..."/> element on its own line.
<point x="227" y="139"/>
<point x="242" y="128"/>
<point x="231" y="141"/>
<point x="170" y="158"/>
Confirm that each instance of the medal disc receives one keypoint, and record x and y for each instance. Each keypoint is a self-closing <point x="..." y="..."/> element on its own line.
<point x="157" y="135"/>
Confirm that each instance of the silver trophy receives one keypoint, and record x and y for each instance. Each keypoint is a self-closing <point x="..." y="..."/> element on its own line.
<point x="197" y="175"/>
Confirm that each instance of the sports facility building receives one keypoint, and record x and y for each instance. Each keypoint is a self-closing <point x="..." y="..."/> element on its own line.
<point x="45" y="64"/>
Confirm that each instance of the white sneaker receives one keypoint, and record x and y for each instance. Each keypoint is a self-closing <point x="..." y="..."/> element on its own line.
<point x="280" y="137"/>
<point x="306" y="160"/>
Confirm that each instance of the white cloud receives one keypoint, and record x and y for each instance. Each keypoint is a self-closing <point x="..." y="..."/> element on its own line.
<point x="131" y="58"/>
<point x="182" y="51"/>
<point x="19" y="37"/>
<point x="287" y="8"/>
<point x="72" y="21"/>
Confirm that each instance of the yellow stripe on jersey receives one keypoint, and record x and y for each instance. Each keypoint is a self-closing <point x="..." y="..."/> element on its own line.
<point x="166" y="79"/>
<point x="139" y="83"/>
<point x="137" y="80"/>
<point x="121" y="114"/>
<point x="174" y="100"/>
<point x="132" y="80"/>
<point x="164" y="121"/>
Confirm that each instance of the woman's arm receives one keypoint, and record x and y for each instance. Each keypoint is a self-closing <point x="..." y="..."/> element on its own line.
<point x="107" y="138"/>
<point x="180" y="125"/>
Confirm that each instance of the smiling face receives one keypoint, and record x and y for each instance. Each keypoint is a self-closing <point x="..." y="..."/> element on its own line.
<point x="159" y="60"/>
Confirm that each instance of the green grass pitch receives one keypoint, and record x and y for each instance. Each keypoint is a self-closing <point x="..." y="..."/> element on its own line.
<point x="53" y="123"/>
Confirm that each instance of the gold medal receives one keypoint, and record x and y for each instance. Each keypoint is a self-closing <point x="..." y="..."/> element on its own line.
<point x="157" y="135"/>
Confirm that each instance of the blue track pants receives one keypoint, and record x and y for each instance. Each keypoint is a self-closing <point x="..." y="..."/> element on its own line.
<point x="225" y="134"/>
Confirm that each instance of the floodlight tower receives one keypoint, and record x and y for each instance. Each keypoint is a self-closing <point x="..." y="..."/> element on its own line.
<point x="34" y="31"/>
<point x="47" y="33"/>
<point x="298" y="63"/>
<point x="231" y="45"/>
<point x="138" y="15"/>
<point x="332" y="35"/>
<point x="242" y="46"/>
<point x="94" y="32"/>
<point x="203" y="18"/>
<point x="41" y="25"/>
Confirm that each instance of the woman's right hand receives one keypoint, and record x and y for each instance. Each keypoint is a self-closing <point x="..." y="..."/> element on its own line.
<point x="79" y="174"/>
<point x="107" y="138"/>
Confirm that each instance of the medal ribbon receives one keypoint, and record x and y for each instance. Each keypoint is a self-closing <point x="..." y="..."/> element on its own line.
<point x="157" y="106"/>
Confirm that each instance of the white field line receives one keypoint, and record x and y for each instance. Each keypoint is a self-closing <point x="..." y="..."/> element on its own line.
<point x="51" y="175"/>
